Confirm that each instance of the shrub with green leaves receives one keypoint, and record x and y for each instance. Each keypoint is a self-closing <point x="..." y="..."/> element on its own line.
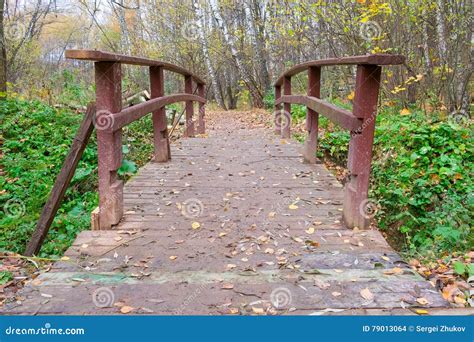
<point x="421" y="176"/>
<point x="36" y="139"/>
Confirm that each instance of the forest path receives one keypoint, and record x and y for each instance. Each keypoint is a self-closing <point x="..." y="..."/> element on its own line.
<point x="235" y="223"/>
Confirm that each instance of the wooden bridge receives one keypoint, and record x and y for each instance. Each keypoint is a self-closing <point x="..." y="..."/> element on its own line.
<point x="235" y="221"/>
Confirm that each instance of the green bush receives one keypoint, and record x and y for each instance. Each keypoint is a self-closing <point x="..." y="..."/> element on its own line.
<point x="36" y="139"/>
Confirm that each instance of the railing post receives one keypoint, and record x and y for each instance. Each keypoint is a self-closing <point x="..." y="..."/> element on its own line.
<point x="188" y="88"/>
<point x="108" y="78"/>
<point x="277" y="118"/>
<point x="360" y="146"/>
<point x="312" y="117"/>
<point x="160" y="124"/>
<point x="286" y="118"/>
<point x="202" y="111"/>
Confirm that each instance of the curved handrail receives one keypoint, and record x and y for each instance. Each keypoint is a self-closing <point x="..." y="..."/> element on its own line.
<point x="130" y="114"/>
<point x="375" y="59"/>
<point x="102" y="56"/>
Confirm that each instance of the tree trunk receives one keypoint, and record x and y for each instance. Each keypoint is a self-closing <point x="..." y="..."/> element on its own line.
<point x="207" y="58"/>
<point x="257" y="97"/>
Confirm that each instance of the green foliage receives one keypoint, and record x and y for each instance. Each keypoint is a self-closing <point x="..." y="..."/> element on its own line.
<point x="37" y="138"/>
<point x="463" y="269"/>
<point x="421" y="176"/>
<point x="269" y="100"/>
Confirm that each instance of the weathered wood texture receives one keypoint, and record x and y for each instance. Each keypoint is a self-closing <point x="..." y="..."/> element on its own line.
<point x="62" y="182"/>
<point x="111" y="118"/>
<point x="231" y="219"/>
<point x="377" y="59"/>
<point x="102" y="56"/>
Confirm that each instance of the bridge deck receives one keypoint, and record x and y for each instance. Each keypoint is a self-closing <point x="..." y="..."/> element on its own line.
<point x="231" y="219"/>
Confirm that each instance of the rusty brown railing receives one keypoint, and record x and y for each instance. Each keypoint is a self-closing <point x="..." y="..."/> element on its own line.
<point x="110" y="118"/>
<point x="360" y="122"/>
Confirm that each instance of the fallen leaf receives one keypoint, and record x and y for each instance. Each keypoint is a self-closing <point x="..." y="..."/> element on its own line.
<point x="258" y="310"/>
<point x="366" y="294"/>
<point x="336" y="294"/>
<point x="195" y="225"/>
<point x="310" y="230"/>
<point x="271" y="214"/>
<point x="422" y="301"/>
<point x="292" y="207"/>
<point x="421" y="312"/>
<point x="405" y="111"/>
<point x="173" y="257"/>
<point x="227" y="286"/>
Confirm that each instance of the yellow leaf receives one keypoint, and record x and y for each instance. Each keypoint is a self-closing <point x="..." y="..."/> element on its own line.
<point x="126" y="309"/>
<point x="405" y="111"/>
<point x="173" y="257"/>
<point x="195" y="225"/>
<point x="271" y="214"/>
<point x="310" y="230"/>
<point x="292" y="207"/>
<point x="258" y="310"/>
<point x="366" y="294"/>
<point x="65" y="258"/>
<point x="421" y="312"/>
<point x="351" y="96"/>
<point x="222" y="234"/>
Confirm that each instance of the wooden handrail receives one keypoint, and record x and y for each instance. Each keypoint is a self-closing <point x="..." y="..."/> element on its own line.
<point x="375" y="59"/>
<point x="128" y="115"/>
<point x="340" y="116"/>
<point x="360" y="122"/>
<point x="102" y="56"/>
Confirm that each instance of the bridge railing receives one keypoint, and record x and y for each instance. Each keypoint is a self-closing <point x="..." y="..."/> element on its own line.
<point x="110" y="118"/>
<point x="360" y="121"/>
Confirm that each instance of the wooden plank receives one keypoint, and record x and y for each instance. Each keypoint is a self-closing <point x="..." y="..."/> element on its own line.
<point x="189" y="108"/>
<point x="342" y="117"/>
<point x="108" y="82"/>
<point x="359" y="160"/>
<point x="376" y="59"/>
<point x="62" y="181"/>
<point x="133" y="113"/>
<point x="102" y="56"/>
<point x="312" y="117"/>
<point x="285" y="121"/>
